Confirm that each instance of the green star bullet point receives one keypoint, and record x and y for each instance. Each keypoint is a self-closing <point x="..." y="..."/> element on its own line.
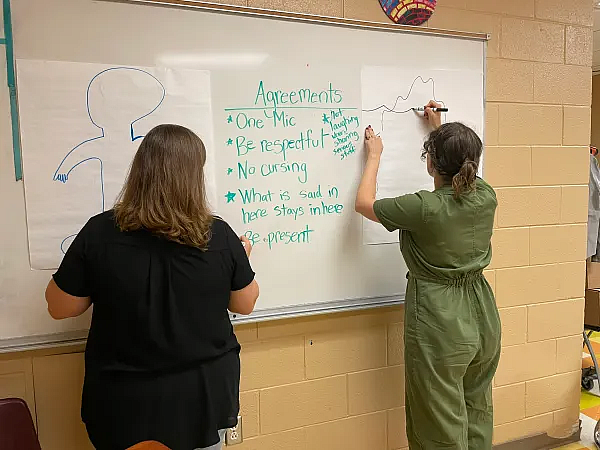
<point x="230" y="196"/>
<point x="229" y="141"/>
<point x="229" y="119"/>
<point x="229" y="171"/>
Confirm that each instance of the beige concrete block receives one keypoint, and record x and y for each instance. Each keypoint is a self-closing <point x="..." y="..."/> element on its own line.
<point x="528" y="206"/>
<point x="574" y="204"/>
<point x="579" y="46"/>
<point x="579" y="12"/>
<point x="396" y="420"/>
<point x="375" y="390"/>
<point x="538" y="284"/>
<point x="555" y="244"/>
<point x="354" y="433"/>
<point x="522" y="8"/>
<point x="301" y="404"/>
<point x="492" y="117"/>
<point x="560" y="165"/>
<point x="527" y="285"/>
<point x="232" y="2"/>
<point x="510" y="248"/>
<point x="507" y="166"/>
<point x="577" y="125"/>
<point x="552" y="393"/>
<point x="495" y="222"/>
<point x="528" y="427"/>
<point x="58" y="381"/>
<point x="346" y="351"/>
<point x="514" y="325"/>
<point x="289" y="440"/>
<point x="15" y="385"/>
<point x="566" y="421"/>
<point x="530" y="124"/>
<point x="460" y="4"/>
<point x="555" y="319"/>
<point x="249" y="413"/>
<point x="333" y="8"/>
<point x="327" y="322"/>
<point x="246" y="333"/>
<point x="395" y="344"/>
<point x="456" y="19"/>
<point x="562" y="85"/>
<point x="16" y="381"/>
<point x="572" y="280"/>
<point x="490" y="276"/>
<point x="532" y="41"/>
<point x="272" y="363"/>
<point x="509" y="81"/>
<point x="568" y="354"/>
<point x="273" y="5"/>
<point x="365" y="10"/>
<point x="509" y="403"/>
<point x="525" y="362"/>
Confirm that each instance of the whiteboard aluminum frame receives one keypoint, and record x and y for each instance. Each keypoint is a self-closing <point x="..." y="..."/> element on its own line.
<point x="310" y="18"/>
<point x="311" y="309"/>
<point x="43" y="342"/>
<point x="78" y="338"/>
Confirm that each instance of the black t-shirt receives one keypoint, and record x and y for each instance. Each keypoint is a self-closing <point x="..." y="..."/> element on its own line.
<point x="160" y="309"/>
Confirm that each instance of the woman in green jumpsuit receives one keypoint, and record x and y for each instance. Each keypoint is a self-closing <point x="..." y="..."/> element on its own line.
<point x="452" y="327"/>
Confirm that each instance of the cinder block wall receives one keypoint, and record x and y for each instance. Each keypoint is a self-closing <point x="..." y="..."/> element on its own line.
<point x="337" y="382"/>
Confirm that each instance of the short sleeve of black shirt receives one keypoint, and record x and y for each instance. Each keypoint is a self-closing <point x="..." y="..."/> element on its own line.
<point x="71" y="277"/>
<point x="243" y="274"/>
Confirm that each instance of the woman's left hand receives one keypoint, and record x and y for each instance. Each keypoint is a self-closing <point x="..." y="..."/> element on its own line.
<point x="373" y="143"/>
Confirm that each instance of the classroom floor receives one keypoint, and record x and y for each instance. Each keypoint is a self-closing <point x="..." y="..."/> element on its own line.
<point x="589" y="405"/>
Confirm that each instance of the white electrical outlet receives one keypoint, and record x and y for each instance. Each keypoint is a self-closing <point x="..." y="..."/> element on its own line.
<point x="234" y="435"/>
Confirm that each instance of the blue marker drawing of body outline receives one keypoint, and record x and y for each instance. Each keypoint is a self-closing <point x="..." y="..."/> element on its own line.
<point x="63" y="176"/>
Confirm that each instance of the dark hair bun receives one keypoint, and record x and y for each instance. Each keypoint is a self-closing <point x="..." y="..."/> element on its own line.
<point x="465" y="179"/>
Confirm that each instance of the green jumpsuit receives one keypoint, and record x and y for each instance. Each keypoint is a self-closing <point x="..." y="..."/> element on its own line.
<point x="452" y="326"/>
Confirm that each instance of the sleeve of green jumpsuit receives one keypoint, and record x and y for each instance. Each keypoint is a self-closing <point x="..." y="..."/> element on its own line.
<point x="401" y="213"/>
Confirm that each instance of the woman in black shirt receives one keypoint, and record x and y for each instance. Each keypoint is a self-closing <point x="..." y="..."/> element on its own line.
<point x="162" y="360"/>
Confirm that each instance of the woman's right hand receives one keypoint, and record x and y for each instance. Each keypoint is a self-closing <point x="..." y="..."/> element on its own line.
<point x="373" y="143"/>
<point x="434" y="118"/>
<point x="247" y="245"/>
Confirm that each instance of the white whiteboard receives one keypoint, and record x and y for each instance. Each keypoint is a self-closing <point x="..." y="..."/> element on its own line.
<point x="324" y="265"/>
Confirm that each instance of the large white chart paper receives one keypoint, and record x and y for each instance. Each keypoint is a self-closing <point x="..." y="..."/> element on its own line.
<point x="388" y="96"/>
<point x="81" y="124"/>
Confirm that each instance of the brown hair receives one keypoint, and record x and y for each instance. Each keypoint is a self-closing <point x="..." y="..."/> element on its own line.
<point x="455" y="151"/>
<point x="164" y="192"/>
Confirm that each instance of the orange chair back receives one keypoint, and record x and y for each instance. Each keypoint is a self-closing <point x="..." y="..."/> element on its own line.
<point x="149" y="445"/>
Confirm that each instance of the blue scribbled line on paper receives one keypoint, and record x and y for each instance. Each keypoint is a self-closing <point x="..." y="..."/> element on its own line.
<point x="64" y="177"/>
